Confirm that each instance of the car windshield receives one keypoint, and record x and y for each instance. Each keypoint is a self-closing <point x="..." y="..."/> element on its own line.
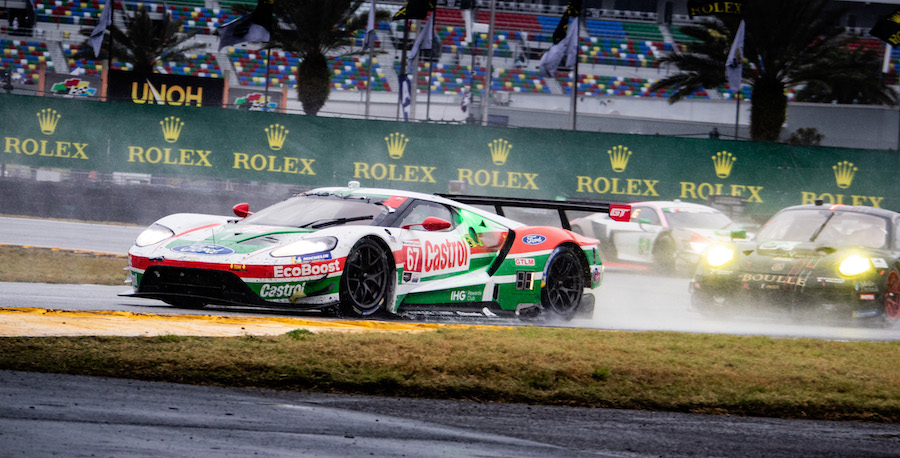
<point x="826" y="228"/>
<point x="681" y="218"/>
<point x="319" y="211"/>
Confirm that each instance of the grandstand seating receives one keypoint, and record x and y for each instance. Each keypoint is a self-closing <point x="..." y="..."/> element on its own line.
<point x="448" y="79"/>
<point x="605" y="86"/>
<point x="629" y="53"/>
<point x="24" y="58"/>
<point x="200" y="18"/>
<point x="88" y="66"/>
<point x="250" y="66"/>
<point x="517" y="80"/>
<point x="348" y="73"/>
<point x="204" y="65"/>
<point x="609" y="42"/>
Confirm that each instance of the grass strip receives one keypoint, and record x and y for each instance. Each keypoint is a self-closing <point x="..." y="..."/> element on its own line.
<point x="699" y="373"/>
<point x="50" y="265"/>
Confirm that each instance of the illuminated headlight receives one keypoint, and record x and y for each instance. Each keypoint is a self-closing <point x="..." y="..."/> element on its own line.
<point x="854" y="265"/>
<point x="153" y="235"/>
<point x="719" y="256"/>
<point x="306" y="246"/>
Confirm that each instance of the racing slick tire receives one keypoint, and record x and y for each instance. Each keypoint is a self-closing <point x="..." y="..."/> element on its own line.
<point x="664" y="254"/>
<point x="563" y="284"/>
<point x="891" y="311"/>
<point x="711" y="305"/>
<point x="367" y="280"/>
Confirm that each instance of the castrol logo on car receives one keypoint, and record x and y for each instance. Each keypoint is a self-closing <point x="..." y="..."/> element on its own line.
<point x="447" y="255"/>
<point x="310" y="269"/>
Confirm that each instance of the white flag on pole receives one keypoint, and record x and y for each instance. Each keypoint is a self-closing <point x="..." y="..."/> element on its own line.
<point x="734" y="66"/>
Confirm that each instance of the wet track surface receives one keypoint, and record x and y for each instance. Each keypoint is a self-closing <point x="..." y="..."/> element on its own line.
<point x="47" y="414"/>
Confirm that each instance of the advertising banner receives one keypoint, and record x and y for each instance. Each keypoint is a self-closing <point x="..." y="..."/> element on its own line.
<point x="228" y="144"/>
<point x="160" y="89"/>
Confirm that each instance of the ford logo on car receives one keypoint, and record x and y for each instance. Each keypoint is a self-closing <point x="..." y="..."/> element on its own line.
<point x="534" y="239"/>
<point x="203" y="248"/>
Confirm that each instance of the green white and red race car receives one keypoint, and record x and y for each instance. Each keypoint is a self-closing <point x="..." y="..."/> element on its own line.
<point x="359" y="252"/>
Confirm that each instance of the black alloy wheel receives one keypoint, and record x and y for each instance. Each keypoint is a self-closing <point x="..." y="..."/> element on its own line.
<point x="564" y="284"/>
<point x="366" y="281"/>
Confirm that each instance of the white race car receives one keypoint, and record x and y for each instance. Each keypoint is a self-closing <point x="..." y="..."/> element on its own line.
<point x="359" y="252"/>
<point x="671" y="236"/>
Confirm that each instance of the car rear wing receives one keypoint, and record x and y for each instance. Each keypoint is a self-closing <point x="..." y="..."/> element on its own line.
<point x="618" y="212"/>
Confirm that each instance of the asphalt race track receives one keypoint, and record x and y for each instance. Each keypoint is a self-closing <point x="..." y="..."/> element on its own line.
<point x="47" y="414"/>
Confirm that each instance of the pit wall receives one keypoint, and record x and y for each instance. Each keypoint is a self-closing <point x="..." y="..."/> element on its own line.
<point x="305" y="151"/>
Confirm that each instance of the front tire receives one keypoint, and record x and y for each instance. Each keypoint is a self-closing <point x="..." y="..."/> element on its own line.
<point x="892" y="297"/>
<point x="563" y="285"/>
<point x="366" y="282"/>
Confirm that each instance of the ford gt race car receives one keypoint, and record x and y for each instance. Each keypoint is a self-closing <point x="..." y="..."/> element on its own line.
<point x="670" y="236"/>
<point x="808" y="261"/>
<point x="359" y="252"/>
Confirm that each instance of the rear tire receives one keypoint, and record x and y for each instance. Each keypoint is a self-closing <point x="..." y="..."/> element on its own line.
<point x="366" y="283"/>
<point x="664" y="255"/>
<point x="564" y="284"/>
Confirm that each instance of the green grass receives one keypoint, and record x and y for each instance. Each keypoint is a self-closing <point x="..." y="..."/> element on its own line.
<point x="44" y="265"/>
<point x="718" y="374"/>
<point x="721" y="374"/>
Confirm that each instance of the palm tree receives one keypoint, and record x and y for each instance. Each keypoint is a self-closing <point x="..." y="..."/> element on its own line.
<point x="145" y="44"/>
<point x="313" y="28"/>
<point x="787" y="45"/>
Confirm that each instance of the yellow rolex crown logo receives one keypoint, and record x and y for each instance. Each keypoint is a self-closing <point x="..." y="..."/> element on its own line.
<point x="499" y="150"/>
<point x="618" y="157"/>
<point x="723" y="160"/>
<point x="843" y="173"/>
<point x="47" y="118"/>
<point x="396" y="144"/>
<point x="276" y="133"/>
<point x="171" y="128"/>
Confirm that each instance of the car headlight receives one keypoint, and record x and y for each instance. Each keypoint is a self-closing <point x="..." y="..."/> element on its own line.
<point x="305" y="246"/>
<point x="719" y="255"/>
<point x="854" y="265"/>
<point x="153" y="235"/>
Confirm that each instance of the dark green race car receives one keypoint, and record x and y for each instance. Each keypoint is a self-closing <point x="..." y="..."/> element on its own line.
<point x="808" y="261"/>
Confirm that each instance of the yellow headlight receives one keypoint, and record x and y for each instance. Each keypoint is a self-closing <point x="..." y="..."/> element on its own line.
<point x="854" y="265"/>
<point x="719" y="255"/>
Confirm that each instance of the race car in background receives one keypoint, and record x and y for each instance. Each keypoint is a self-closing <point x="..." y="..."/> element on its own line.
<point x="670" y="236"/>
<point x="362" y="252"/>
<point x="808" y="261"/>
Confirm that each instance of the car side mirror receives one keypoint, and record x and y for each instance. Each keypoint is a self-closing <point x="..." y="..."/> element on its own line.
<point x="431" y="224"/>
<point x="242" y="210"/>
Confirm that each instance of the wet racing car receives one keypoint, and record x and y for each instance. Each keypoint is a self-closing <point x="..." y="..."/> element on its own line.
<point x="669" y="235"/>
<point x="808" y="261"/>
<point x="360" y="252"/>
